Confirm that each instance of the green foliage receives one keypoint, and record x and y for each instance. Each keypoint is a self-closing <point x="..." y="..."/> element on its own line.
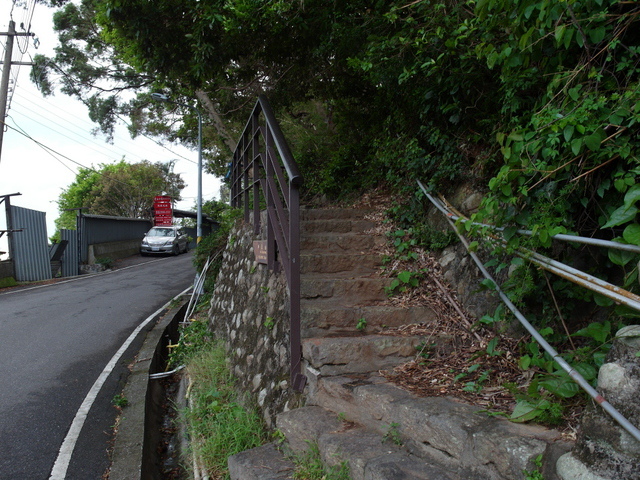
<point x="540" y="97"/>
<point x="404" y="281"/>
<point x="535" y="474"/>
<point x="194" y="337"/>
<point x="8" y="282"/>
<point x="361" y="324"/>
<point x="586" y="114"/>
<point x="214" y="244"/>
<point x="392" y="434"/>
<point x="269" y="323"/>
<point x="404" y="244"/>
<point x="309" y="466"/>
<point x="219" y="425"/>
<point x="119" y="401"/>
<point x="120" y="189"/>
<point x="74" y="197"/>
<point x="480" y="377"/>
<point x="550" y="385"/>
<point x="106" y="262"/>
<point x="533" y="102"/>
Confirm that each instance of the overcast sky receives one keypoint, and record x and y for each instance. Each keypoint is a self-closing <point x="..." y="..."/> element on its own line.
<point x="62" y="125"/>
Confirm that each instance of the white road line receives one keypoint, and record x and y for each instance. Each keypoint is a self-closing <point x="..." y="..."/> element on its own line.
<point x="61" y="465"/>
<point x="78" y="277"/>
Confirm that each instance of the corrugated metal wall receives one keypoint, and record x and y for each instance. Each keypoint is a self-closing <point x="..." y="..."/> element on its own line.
<point x="70" y="264"/>
<point x="96" y="229"/>
<point x="30" y="247"/>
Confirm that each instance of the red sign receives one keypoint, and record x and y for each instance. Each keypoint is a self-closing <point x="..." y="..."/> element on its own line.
<point x="163" y="211"/>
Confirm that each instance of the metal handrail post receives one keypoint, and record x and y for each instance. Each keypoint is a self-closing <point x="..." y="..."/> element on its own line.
<point x="245" y="178"/>
<point x="294" y="288"/>
<point x="256" y="172"/>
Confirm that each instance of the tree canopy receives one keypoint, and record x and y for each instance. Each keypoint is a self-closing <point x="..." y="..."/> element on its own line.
<point x="533" y="101"/>
<point x="121" y="189"/>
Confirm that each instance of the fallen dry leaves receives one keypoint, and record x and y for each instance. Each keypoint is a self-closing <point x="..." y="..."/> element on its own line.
<point x="454" y="360"/>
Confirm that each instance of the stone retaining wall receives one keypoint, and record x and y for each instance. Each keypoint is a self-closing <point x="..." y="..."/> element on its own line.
<point x="249" y="310"/>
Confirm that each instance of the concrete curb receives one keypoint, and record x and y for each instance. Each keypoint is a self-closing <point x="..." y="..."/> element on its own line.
<point x="134" y="440"/>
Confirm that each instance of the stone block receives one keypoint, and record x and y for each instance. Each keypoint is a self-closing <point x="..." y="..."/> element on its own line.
<point x="261" y="463"/>
<point x="304" y="425"/>
<point x="340" y="355"/>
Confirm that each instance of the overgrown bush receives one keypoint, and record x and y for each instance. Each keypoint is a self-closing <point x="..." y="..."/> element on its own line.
<point x="213" y="245"/>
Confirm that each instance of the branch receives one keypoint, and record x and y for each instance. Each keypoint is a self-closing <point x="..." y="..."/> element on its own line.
<point x="217" y="119"/>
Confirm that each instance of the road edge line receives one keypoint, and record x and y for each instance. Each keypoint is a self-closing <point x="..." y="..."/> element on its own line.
<point x="61" y="465"/>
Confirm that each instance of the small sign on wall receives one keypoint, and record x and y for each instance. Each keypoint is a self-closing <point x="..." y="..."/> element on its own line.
<point x="260" y="251"/>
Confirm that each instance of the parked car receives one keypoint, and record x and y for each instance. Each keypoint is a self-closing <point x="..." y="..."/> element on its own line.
<point x="165" y="240"/>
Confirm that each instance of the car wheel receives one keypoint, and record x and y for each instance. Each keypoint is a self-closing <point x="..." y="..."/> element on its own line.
<point x="176" y="249"/>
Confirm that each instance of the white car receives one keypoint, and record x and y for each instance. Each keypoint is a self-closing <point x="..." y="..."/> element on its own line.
<point x="164" y="240"/>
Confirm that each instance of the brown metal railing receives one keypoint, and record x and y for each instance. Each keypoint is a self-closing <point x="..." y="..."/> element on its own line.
<point x="265" y="176"/>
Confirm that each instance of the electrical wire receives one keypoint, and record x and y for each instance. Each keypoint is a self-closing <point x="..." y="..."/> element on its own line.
<point x="51" y="150"/>
<point x="159" y="143"/>
<point x="125" y="122"/>
<point x="84" y="141"/>
<point x="72" y="121"/>
<point x="22" y="49"/>
<point x="115" y="180"/>
<point x="20" y="130"/>
<point x="24" y="134"/>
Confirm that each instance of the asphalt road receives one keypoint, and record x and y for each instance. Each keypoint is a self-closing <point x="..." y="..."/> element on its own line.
<point x="55" y="340"/>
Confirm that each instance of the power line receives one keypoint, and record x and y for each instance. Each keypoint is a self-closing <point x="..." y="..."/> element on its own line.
<point x="24" y="134"/>
<point x="159" y="143"/>
<point x="70" y="159"/>
<point x="21" y="130"/>
<point x="86" y="141"/>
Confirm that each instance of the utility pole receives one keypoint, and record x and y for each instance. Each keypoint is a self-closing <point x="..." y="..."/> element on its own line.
<point x="6" y="70"/>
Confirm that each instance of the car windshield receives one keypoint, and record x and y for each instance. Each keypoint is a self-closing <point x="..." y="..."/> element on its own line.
<point x="161" y="232"/>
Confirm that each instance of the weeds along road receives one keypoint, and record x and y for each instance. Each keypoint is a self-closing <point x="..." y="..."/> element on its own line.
<point x="55" y="341"/>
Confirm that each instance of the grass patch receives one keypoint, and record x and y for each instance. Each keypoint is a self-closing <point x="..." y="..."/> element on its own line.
<point x="195" y="339"/>
<point x="8" y="282"/>
<point x="309" y="466"/>
<point x="219" y="425"/>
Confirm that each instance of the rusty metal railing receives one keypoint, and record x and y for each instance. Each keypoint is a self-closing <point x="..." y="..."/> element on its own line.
<point x="264" y="176"/>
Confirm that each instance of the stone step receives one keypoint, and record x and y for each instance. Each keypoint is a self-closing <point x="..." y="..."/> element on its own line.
<point x="339" y="262"/>
<point x="364" y="354"/>
<point x="260" y="463"/>
<point x="333" y="213"/>
<point x="344" y="290"/>
<point x="367" y="454"/>
<point x="370" y="456"/>
<point x="346" y="225"/>
<point x="440" y="430"/>
<point x="346" y="242"/>
<point x="322" y="318"/>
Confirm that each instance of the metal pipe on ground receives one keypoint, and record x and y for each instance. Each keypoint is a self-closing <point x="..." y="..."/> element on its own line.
<point x="579" y="379"/>
<point x="597" y="242"/>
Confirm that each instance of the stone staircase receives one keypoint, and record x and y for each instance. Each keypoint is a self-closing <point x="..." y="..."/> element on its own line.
<point x="353" y="415"/>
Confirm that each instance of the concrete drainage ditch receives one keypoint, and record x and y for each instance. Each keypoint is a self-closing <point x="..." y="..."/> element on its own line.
<point x="147" y="443"/>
